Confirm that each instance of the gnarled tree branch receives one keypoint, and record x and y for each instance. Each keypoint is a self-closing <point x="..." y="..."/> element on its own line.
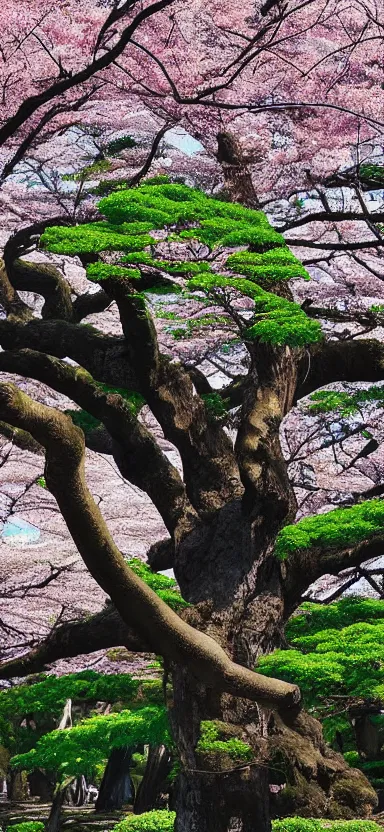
<point x="137" y="604"/>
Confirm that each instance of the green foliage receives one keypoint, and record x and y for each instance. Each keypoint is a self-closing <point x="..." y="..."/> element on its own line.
<point x="26" y="826"/>
<point x="165" y="588"/>
<point x="117" y="145"/>
<point x="97" y="272"/>
<point x="350" y="610"/>
<point x="96" y="237"/>
<point x="50" y="694"/>
<point x="372" y="173"/>
<point x="213" y="740"/>
<point x="88" y="172"/>
<point x="132" y="398"/>
<point x="84" y="420"/>
<point x="341" y="527"/>
<point x="41" y="482"/>
<point x="327" y="401"/>
<point x="336" y="650"/>
<point x="187" y="213"/>
<point x="274" y="266"/>
<point x="312" y="825"/>
<point x="189" y="326"/>
<point x="80" y="749"/>
<point x="216" y="406"/>
<point x="158" y="820"/>
<point x="276" y="320"/>
<point x="88" y="423"/>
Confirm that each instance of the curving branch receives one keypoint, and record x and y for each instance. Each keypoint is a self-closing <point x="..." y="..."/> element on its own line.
<point x="304" y="567"/>
<point x="136" y="452"/>
<point x="75" y="638"/>
<point x="332" y="361"/>
<point x="210" y="469"/>
<point x="137" y="604"/>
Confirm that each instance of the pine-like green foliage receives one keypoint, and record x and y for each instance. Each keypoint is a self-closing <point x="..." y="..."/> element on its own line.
<point x="341" y="527"/>
<point x="50" y="694"/>
<point x="274" y="266"/>
<point x="96" y="237"/>
<point x="79" y="750"/>
<point x="275" y="320"/>
<point x="158" y="820"/>
<point x="88" y="172"/>
<point x="313" y="618"/>
<point x="26" y="826"/>
<point x="327" y="401"/>
<point x="117" y="145"/>
<point x="189" y="214"/>
<point x="97" y="272"/>
<point x="335" y="650"/>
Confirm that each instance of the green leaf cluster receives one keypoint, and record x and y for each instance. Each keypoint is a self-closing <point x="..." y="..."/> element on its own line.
<point x="96" y="237"/>
<point x="96" y="272"/>
<point x="50" y="694"/>
<point x="371" y="172"/>
<point x="315" y="825"/>
<point x="158" y="820"/>
<point x="117" y="145"/>
<point x="275" y="320"/>
<point x="335" y="650"/>
<point x="187" y="213"/>
<point x="88" y="172"/>
<point x="341" y="527"/>
<point x="161" y="820"/>
<point x="80" y="749"/>
<point x="327" y="401"/>
<point x="26" y="826"/>
<point x="274" y="266"/>
<point x="215" y="405"/>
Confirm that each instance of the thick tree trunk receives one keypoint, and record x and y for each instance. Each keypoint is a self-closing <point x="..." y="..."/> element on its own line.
<point x="116" y="786"/>
<point x="230" y="574"/>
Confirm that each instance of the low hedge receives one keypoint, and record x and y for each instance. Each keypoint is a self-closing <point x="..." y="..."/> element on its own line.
<point x="312" y="825"/>
<point x="161" y="820"/>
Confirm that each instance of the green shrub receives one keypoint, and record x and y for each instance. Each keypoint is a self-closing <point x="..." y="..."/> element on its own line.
<point x="311" y="825"/>
<point x="340" y="527"/>
<point x="26" y="826"/>
<point x="159" y="820"/>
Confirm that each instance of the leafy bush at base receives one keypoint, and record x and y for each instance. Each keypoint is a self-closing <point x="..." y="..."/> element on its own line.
<point x="159" y="820"/>
<point x="26" y="826"/>
<point x="312" y="825"/>
<point x="162" y="820"/>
